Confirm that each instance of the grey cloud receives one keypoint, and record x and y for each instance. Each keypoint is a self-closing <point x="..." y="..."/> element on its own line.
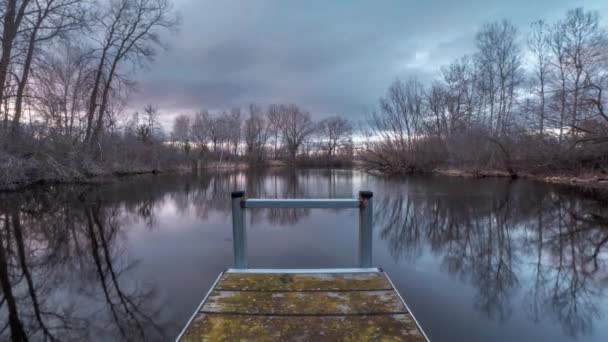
<point x="330" y="57"/>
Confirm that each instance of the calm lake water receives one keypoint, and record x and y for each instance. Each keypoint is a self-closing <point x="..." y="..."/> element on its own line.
<point x="476" y="260"/>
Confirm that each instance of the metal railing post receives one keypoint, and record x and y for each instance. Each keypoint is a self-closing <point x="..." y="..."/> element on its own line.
<point x="238" y="230"/>
<point x="366" y="219"/>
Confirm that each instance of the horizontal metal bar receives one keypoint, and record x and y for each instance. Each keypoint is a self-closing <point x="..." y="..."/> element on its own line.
<point x="302" y="203"/>
<point x="305" y="270"/>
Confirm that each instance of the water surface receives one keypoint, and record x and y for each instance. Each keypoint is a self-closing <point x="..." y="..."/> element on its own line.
<point x="476" y="260"/>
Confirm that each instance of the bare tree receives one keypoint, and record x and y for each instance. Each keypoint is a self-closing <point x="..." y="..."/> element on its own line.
<point x="232" y="129"/>
<point x="12" y="18"/>
<point x="147" y="127"/>
<point x="46" y="20"/>
<point x="181" y="132"/>
<point x="585" y="49"/>
<point x="401" y="114"/>
<point x="274" y="117"/>
<point x="475" y="113"/>
<point x="296" y="126"/>
<point x="217" y="128"/>
<point x="256" y="131"/>
<point x="436" y="98"/>
<point x="538" y="44"/>
<point x="334" y="133"/>
<point x="452" y="101"/>
<point x="559" y="62"/>
<point x="201" y="127"/>
<point x="397" y="127"/>
<point x="499" y="60"/>
<point x="129" y="33"/>
<point x="62" y="78"/>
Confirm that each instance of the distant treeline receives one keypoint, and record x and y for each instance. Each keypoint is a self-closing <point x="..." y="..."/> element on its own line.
<point x="66" y="71"/>
<point x="66" y="68"/>
<point x="520" y="104"/>
<point x="279" y="132"/>
<point x="532" y="104"/>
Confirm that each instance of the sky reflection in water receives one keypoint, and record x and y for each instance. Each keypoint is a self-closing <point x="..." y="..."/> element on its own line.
<point x="476" y="260"/>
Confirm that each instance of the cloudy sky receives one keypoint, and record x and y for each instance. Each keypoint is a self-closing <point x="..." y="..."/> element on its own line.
<point x="330" y="57"/>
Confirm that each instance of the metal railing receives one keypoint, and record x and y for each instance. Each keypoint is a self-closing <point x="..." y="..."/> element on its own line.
<point x="364" y="203"/>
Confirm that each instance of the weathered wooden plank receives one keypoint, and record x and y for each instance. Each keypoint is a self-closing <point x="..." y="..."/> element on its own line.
<point x="304" y="282"/>
<point x="304" y="303"/>
<point x="303" y="306"/>
<point x="218" y="327"/>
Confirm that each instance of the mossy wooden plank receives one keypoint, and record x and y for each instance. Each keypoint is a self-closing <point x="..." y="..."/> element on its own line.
<point x="303" y="282"/>
<point x="214" y="327"/>
<point x="304" y="303"/>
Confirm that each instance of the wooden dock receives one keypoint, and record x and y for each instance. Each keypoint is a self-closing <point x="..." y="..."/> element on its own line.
<point x="303" y="305"/>
<point x="345" y="304"/>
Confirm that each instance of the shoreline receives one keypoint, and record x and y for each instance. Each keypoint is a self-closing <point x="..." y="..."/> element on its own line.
<point x="584" y="179"/>
<point x="101" y="176"/>
<point x="594" y="183"/>
<point x="59" y="174"/>
<point x="104" y="176"/>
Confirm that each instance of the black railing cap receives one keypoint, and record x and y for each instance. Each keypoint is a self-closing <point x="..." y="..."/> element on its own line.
<point x="237" y="194"/>
<point x="366" y="194"/>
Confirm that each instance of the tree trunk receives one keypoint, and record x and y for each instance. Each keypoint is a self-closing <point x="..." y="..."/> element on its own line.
<point x="12" y="21"/>
<point x="104" y="103"/>
<point x="17" y="331"/>
<point x="23" y="81"/>
<point x="93" y="98"/>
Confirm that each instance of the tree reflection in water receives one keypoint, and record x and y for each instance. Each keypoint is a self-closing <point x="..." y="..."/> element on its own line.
<point x="495" y="241"/>
<point x="61" y="269"/>
<point x="64" y="267"/>
<point x="66" y="272"/>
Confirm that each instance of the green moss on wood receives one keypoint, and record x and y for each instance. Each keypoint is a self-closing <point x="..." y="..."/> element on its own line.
<point x="304" y="282"/>
<point x="328" y="303"/>
<point x="262" y="328"/>
<point x="252" y="307"/>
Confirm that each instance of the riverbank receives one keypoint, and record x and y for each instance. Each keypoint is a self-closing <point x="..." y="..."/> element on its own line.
<point x="17" y="173"/>
<point x="595" y="184"/>
<point x="42" y="169"/>
<point x="584" y="179"/>
<point x="59" y="174"/>
<point x="32" y="169"/>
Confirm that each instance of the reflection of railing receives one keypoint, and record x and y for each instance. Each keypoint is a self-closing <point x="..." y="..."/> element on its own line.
<point x="364" y="203"/>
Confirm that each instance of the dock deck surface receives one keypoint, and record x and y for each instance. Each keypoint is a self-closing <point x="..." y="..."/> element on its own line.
<point x="321" y="305"/>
